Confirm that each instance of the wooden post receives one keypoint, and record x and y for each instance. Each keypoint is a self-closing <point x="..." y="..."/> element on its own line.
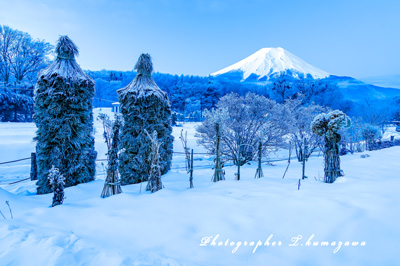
<point x="259" y="172"/>
<point x="33" y="166"/>
<point x="238" y="161"/>
<point x="191" y="170"/>
<point x="218" y="173"/>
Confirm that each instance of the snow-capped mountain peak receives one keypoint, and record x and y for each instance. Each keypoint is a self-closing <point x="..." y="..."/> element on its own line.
<point x="268" y="62"/>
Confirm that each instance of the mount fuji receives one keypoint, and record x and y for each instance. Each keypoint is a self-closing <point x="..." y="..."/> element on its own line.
<point x="268" y="63"/>
<point x="271" y="62"/>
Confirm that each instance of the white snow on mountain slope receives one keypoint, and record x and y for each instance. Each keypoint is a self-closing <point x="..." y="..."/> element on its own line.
<point x="270" y="61"/>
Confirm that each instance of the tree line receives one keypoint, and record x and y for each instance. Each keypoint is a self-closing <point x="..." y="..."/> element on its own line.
<point x="191" y="95"/>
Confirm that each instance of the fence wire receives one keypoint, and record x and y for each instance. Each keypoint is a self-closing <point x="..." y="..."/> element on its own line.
<point x="16" y="160"/>
<point x="207" y="166"/>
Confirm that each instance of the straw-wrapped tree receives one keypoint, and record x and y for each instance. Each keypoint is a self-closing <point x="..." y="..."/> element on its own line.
<point x="112" y="185"/>
<point x="144" y="106"/>
<point x="64" y="118"/>
<point x="327" y="125"/>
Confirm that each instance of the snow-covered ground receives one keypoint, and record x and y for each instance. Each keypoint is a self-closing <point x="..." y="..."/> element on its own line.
<point x="170" y="226"/>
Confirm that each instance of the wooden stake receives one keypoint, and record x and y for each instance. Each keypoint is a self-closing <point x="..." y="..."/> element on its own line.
<point x="259" y="172"/>
<point x="304" y="159"/>
<point x="33" y="166"/>
<point x="238" y="161"/>
<point x="191" y="170"/>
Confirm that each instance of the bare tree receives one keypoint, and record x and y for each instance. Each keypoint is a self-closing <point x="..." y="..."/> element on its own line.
<point x="28" y="55"/>
<point x="20" y="54"/>
<point x="375" y="113"/>
<point x="244" y="122"/>
<point x="7" y="37"/>
<point x="352" y="137"/>
<point x="298" y="119"/>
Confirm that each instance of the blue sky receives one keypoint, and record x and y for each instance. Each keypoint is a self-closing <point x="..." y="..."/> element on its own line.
<point x="353" y="38"/>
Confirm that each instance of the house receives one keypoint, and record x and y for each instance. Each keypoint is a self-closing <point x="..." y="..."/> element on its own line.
<point x="116" y="107"/>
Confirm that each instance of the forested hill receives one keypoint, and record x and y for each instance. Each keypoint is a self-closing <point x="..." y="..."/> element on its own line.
<point x="190" y="95"/>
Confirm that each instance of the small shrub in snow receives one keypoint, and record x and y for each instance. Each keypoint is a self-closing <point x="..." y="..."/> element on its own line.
<point x="370" y="134"/>
<point x="57" y="182"/>
<point x="344" y="151"/>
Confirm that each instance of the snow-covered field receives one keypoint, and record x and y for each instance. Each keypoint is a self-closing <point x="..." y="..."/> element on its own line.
<point x="173" y="226"/>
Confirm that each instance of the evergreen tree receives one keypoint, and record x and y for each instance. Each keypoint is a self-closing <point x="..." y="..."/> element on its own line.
<point x="64" y="118"/>
<point x="144" y="106"/>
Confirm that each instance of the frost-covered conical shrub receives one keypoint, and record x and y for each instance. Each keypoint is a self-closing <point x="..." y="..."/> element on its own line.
<point x="144" y="106"/>
<point x="64" y="118"/>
